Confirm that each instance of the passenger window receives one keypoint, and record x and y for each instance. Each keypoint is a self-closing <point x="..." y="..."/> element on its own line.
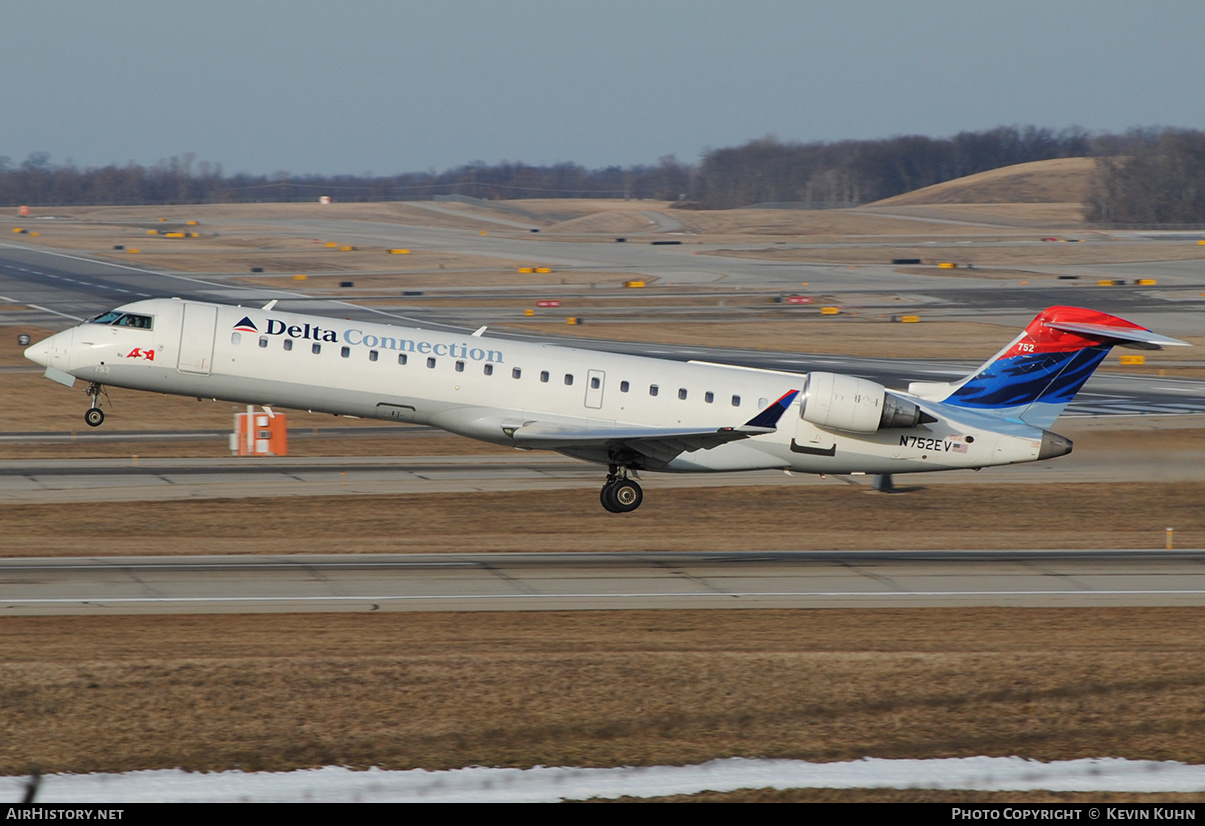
<point x="762" y="403"/>
<point x="430" y="362"/>
<point x="401" y="358"/>
<point x="709" y="397"/>
<point x="460" y="367"/>
<point x="316" y="349"/>
<point x="516" y="373"/>
<point x="373" y="355"/>
<point x="345" y="352"/>
<point x="595" y="383"/>
<point x="682" y="393"/>
<point x="543" y="375"/>
<point x="568" y="379"/>
<point x="736" y="401"/>
<point x="654" y="390"/>
<point x="235" y="338"/>
<point x="623" y="387"/>
<point x="489" y="369"/>
<point x="263" y="341"/>
<point x="288" y="344"/>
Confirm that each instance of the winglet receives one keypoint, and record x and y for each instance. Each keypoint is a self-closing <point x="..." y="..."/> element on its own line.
<point x="769" y="417"/>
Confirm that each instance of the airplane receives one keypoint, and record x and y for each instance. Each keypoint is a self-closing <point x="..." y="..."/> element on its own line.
<point x="629" y="413"/>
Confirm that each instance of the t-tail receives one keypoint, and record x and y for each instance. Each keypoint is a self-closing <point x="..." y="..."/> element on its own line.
<point x="1036" y="376"/>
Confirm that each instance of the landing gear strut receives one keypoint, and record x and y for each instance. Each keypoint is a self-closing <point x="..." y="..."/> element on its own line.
<point x="620" y="494"/>
<point x="94" y="416"/>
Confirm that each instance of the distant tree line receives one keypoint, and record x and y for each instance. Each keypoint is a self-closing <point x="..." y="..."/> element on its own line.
<point x="849" y="173"/>
<point x="1150" y="176"/>
<point x="183" y="181"/>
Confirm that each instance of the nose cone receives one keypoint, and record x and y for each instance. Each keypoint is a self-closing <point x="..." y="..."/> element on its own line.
<point x="40" y="353"/>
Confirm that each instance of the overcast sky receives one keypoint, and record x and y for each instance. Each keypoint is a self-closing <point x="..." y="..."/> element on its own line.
<point x="382" y="86"/>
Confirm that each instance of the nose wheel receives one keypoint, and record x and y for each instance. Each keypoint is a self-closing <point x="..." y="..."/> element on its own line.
<point x="621" y="494"/>
<point x="94" y="415"/>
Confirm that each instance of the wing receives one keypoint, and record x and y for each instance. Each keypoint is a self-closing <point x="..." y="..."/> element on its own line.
<point x="660" y="444"/>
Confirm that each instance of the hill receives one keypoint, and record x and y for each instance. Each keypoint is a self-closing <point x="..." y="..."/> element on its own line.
<point x="1058" y="181"/>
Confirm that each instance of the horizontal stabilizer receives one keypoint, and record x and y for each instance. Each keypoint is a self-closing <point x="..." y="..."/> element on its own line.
<point x="1138" y="337"/>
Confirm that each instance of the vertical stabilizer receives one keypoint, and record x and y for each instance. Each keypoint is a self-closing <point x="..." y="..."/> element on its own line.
<point x="1036" y="376"/>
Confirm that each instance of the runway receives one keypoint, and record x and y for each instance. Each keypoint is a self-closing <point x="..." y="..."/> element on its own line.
<point x="592" y="581"/>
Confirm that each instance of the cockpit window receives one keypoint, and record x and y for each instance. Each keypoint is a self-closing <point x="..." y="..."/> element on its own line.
<point x="131" y="320"/>
<point x="116" y="318"/>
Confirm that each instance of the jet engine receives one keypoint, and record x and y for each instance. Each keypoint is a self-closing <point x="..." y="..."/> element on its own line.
<point x="858" y="405"/>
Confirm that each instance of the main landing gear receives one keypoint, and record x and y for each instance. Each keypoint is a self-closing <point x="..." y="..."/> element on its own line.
<point x="620" y="494"/>
<point x="95" y="416"/>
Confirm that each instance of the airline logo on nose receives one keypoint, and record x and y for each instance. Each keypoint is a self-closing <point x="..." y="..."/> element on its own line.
<point x="246" y="326"/>
<point x="139" y="353"/>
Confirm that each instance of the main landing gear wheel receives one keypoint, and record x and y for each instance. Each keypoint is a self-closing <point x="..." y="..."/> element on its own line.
<point x="621" y="496"/>
<point x="94" y="417"/>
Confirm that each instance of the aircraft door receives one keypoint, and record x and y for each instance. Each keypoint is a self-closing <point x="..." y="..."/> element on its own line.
<point x="196" y="338"/>
<point x="595" y="379"/>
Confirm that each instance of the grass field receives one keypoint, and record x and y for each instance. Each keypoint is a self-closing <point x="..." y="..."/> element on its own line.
<point x="600" y="689"/>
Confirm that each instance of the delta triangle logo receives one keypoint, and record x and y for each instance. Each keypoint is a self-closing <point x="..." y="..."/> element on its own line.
<point x="246" y="326"/>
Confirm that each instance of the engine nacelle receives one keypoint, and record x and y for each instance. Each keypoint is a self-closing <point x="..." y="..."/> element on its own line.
<point x="859" y="405"/>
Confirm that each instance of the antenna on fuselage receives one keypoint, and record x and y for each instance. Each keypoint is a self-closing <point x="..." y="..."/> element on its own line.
<point x="269" y="305"/>
<point x="477" y="333"/>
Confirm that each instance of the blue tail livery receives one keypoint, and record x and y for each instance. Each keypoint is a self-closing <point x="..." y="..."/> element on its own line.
<point x="1036" y="376"/>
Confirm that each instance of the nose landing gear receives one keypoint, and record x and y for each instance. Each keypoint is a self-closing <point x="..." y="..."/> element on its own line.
<point x="620" y="494"/>
<point x="94" y="415"/>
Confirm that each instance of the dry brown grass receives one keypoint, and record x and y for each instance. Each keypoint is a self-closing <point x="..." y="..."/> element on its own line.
<point x="216" y="217"/>
<point x="1068" y="217"/>
<point x="1061" y="180"/>
<point x="598" y="688"/>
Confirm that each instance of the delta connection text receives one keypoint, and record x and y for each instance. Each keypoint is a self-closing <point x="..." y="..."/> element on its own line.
<point x="356" y="338"/>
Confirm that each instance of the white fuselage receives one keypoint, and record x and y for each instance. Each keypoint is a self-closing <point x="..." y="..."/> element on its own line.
<point x="484" y="388"/>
